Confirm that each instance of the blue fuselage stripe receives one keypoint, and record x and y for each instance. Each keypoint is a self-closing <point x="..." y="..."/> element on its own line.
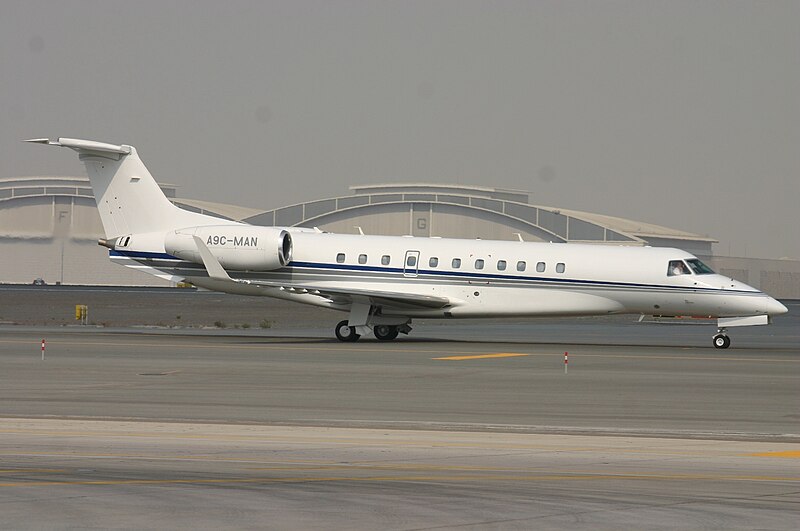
<point x="136" y="255"/>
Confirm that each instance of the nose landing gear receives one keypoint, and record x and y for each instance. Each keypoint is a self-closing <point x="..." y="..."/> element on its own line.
<point x="721" y="339"/>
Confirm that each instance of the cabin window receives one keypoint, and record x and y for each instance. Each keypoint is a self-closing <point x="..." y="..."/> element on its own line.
<point x="411" y="261"/>
<point x="340" y="258"/>
<point x="362" y="259"/>
<point x="479" y="263"/>
<point x="456" y="263"/>
<point x="501" y="265"/>
<point x="677" y="268"/>
<point x="540" y="267"/>
<point x="385" y="259"/>
<point x="560" y="267"/>
<point x="433" y="262"/>
<point x="697" y="266"/>
<point x="521" y="266"/>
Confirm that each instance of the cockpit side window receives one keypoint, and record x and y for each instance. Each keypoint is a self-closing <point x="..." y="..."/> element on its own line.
<point x="699" y="267"/>
<point x="677" y="267"/>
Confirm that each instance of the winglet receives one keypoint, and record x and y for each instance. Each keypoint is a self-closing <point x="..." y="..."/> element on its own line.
<point x="214" y="268"/>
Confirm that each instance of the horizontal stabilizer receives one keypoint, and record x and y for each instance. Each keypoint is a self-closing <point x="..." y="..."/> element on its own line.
<point x="83" y="145"/>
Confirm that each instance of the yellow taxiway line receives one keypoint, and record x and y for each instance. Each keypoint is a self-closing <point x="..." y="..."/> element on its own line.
<point x="791" y="454"/>
<point x="483" y="356"/>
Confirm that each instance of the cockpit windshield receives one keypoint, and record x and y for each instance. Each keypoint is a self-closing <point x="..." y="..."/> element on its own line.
<point x="677" y="267"/>
<point x="699" y="267"/>
<point x="687" y="267"/>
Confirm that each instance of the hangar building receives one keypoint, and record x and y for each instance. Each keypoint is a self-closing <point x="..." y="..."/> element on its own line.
<point x="49" y="227"/>
<point x="453" y="211"/>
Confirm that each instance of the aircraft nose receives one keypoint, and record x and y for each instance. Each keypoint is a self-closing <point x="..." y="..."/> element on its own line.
<point x="775" y="308"/>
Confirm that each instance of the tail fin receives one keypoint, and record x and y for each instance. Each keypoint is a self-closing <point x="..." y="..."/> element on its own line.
<point x="128" y="198"/>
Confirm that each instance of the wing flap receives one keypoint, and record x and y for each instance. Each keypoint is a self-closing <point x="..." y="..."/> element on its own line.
<point x="384" y="298"/>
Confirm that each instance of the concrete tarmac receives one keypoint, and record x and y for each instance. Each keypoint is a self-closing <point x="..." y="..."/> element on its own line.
<point x="60" y="474"/>
<point x="649" y="390"/>
<point x="472" y="426"/>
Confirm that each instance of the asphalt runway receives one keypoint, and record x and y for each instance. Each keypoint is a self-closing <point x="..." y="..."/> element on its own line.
<point x="474" y="425"/>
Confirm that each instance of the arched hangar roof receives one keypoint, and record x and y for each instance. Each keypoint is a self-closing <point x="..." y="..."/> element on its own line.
<point x="17" y="187"/>
<point x="501" y="205"/>
<point x="553" y="224"/>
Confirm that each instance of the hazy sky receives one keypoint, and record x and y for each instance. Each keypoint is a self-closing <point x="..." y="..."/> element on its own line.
<point x="685" y="114"/>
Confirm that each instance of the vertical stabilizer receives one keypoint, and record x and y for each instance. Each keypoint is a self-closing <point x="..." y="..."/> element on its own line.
<point x="128" y="198"/>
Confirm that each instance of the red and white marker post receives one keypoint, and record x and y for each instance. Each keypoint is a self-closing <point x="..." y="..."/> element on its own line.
<point x="43" y="343"/>
<point x="566" y="362"/>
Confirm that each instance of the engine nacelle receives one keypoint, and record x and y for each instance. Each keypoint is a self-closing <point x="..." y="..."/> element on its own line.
<point x="235" y="246"/>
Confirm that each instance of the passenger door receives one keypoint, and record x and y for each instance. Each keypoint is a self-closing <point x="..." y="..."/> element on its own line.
<point x="411" y="264"/>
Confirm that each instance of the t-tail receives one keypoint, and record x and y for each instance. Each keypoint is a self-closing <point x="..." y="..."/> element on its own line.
<point x="128" y="198"/>
<point x="141" y="224"/>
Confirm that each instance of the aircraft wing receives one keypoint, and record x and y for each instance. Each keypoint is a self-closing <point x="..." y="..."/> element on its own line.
<point x="375" y="297"/>
<point x="395" y="299"/>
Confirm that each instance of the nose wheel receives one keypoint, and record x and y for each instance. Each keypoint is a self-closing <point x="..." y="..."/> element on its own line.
<point x="721" y="340"/>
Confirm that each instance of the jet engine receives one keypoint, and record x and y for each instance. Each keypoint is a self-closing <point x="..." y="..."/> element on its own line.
<point x="239" y="247"/>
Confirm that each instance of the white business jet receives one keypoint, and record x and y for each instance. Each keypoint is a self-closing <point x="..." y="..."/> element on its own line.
<point x="386" y="281"/>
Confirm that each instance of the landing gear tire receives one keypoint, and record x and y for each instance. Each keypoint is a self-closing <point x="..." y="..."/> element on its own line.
<point x="385" y="332"/>
<point x="722" y="341"/>
<point x="344" y="332"/>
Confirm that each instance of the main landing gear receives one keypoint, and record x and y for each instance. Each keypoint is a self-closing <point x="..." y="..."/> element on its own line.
<point x="347" y="333"/>
<point x="721" y="339"/>
<point x="385" y="332"/>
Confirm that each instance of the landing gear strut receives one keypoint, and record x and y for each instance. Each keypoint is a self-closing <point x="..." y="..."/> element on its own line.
<point x="344" y="332"/>
<point x="721" y="340"/>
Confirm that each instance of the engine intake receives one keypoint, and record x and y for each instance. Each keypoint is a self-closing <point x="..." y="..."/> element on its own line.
<point x="238" y="247"/>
